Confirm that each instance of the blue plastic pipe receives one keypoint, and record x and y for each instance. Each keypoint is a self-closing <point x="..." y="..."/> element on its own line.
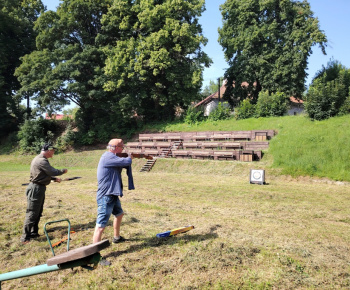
<point x="93" y="259"/>
<point x="28" y="272"/>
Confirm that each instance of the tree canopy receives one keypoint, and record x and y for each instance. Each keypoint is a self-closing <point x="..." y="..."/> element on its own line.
<point x="267" y="44"/>
<point x="116" y="60"/>
<point x="155" y="61"/>
<point x="67" y="65"/>
<point x="17" y="38"/>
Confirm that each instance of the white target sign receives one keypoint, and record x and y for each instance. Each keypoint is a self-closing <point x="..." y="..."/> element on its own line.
<point x="257" y="176"/>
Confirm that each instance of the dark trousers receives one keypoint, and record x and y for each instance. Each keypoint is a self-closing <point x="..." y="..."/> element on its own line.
<point x="35" y="204"/>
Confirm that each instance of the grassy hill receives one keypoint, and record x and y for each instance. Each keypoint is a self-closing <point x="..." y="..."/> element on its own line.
<point x="301" y="147"/>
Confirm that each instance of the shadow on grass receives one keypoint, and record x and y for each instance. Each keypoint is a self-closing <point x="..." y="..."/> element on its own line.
<point x="158" y="242"/>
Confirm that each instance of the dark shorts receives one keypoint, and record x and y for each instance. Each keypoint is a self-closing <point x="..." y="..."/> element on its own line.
<point x="107" y="205"/>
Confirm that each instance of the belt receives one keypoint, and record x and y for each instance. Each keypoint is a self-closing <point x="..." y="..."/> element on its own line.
<point x="37" y="183"/>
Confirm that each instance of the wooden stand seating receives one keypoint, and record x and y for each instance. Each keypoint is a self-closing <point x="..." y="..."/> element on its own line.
<point x="244" y="146"/>
<point x="184" y="154"/>
<point x="226" y="155"/>
<point x="211" y="145"/>
<point x="202" y="154"/>
<point x="162" y="145"/>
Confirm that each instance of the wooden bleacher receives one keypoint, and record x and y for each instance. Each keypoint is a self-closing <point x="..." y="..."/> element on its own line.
<point x="245" y="146"/>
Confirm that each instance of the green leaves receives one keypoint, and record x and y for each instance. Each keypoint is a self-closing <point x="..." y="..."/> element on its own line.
<point x="161" y="55"/>
<point x="17" y="38"/>
<point x="328" y="94"/>
<point x="117" y="60"/>
<point x="267" y="42"/>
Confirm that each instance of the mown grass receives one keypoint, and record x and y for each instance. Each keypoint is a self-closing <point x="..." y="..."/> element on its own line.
<point x="288" y="234"/>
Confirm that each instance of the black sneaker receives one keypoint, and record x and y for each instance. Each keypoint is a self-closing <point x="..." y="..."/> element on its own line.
<point x="104" y="262"/>
<point x="34" y="235"/>
<point x="120" y="240"/>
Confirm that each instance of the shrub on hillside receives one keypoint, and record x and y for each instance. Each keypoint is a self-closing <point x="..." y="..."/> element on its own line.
<point x="271" y="105"/>
<point x="345" y="108"/>
<point x="66" y="140"/>
<point x="221" y="112"/>
<point x="326" y="98"/>
<point x="193" y="116"/>
<point x="33" y="133"/>
<point x="245" y="110"/>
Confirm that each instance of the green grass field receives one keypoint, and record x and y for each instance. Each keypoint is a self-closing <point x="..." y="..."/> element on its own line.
<point x="288" y="234"/>
<point x="292" y="233"/>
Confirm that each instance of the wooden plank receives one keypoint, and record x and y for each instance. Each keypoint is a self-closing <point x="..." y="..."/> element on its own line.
<point x="211" y="145"/>
<point x="255" y="145"/>
<point x="151" y="152"/>
<point x="200" y="137"/>
<point x="187" y="136"/>
<point x="206" y="135"/>
<point x="175" y="137"/>
<point x="145" y="138"/>
<point x="180" y="153"/>
<point x="202" y="154"/>
<point x="223" y="153"/>
<point x="260" y="138"/>
<point x="159" y="137"/>
<point x="268" y="133"/>
<point x="220" y="137"/>
<point x="241" y="135"/>
<point x="148" y="145"/>
<point x="78" y="253"/>
<point x="192" y="145"/>
<point x="231" y="145"/>
<point x="246" y="155"/>
<point x="161" y="145"/>
<point x="134" y="150"/>
<point x="133" y="145"/>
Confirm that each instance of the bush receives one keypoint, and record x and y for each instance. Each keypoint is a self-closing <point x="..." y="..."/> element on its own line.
<point x="33" y="133"/>
<point x="345" y="108"/>
<point x="221" y="112"/>
<point x="193" y="116"/>
<point x="327" y="99"/>
<point x="271" y="105"/>
<point x="245" y="110"/>
<point x="66" y="141"/>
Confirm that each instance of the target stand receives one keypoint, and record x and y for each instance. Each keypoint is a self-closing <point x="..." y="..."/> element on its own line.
<point x="257" y="176"/>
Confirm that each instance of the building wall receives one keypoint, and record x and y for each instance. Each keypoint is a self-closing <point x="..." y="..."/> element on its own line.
<point x="295" y="110"/>
<point x="210" y="107"/>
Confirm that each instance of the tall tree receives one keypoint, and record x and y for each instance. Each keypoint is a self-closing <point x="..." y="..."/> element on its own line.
<point x="68" y="65"/>
<point x="267" y="44"/>
<point x="155" y="62"/>
<point x="17" y="38"/>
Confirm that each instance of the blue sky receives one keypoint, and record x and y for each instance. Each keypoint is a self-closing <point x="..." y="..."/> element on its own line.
<point x="334" y="19"/>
